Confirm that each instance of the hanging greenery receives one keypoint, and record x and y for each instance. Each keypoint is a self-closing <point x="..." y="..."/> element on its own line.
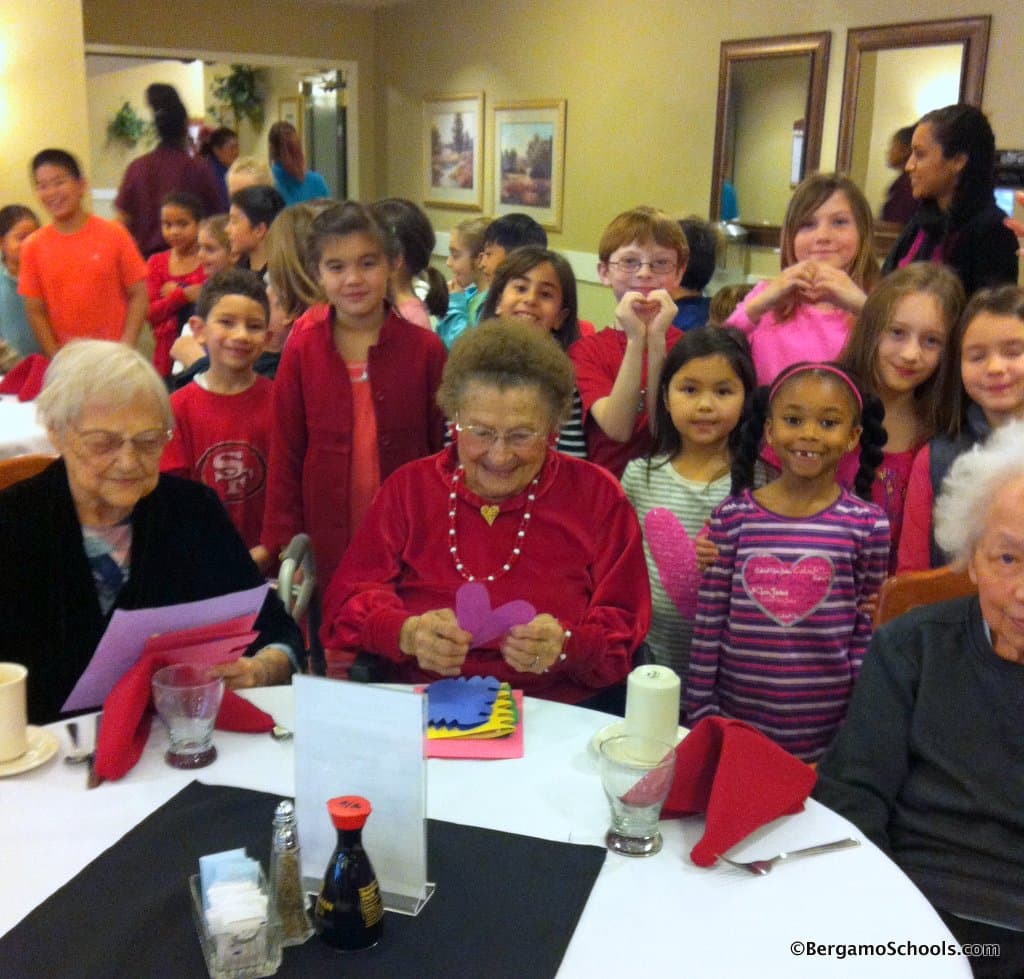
<point x="242" y="90"/>
<point x="128" y="127"/>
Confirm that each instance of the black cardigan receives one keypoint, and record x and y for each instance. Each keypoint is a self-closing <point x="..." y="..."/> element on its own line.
<point x="981" y="250"/>
<point x="184" y="548"/>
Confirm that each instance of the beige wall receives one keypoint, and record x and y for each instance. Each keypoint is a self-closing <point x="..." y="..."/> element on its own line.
<point x="108" y="91"/>
<point x="42" y="98"/>
<point x="640" y="82"/>
<point x="267" y="27"/>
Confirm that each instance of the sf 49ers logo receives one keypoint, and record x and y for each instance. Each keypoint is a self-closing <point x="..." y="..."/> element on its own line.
<point x="234" y="469"/>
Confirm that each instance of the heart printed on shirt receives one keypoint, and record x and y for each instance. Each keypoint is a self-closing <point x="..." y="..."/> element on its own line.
<point x="785" y="592"/>
<point x="675" y="557"/>
<point x="474" y="613"/>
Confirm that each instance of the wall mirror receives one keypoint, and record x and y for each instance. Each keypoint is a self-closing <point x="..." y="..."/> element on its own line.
<point x="771" y="109"/>
<point x="895" y="74"/>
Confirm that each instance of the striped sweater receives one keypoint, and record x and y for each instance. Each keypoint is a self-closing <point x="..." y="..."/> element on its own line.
<point x="779" y="635"/>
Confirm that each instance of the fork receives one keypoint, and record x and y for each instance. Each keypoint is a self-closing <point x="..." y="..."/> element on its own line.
<point x="760" y="868"/>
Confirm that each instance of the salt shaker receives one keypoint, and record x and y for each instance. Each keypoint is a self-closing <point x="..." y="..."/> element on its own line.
<point x="286" y="878"/>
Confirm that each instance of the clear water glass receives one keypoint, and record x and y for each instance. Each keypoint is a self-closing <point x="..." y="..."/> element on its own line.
<point x="636" y="773"/>
<point x="187" y="699"/>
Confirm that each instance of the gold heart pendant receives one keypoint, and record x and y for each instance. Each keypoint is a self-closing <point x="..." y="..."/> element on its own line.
<point x="490" y="514"/>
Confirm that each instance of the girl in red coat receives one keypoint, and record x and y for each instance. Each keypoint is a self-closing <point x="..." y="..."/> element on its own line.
<point x="354" y="396"/>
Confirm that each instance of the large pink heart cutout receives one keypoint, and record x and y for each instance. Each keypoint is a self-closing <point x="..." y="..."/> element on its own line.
<point x="785" y="592"/>
<point x="675" y="558"/>
<point x="474" y="613"/>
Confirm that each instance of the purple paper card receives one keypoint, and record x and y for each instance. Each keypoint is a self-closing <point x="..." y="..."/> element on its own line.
<point x="122" y="644"/>
<point x="474" y="613"/>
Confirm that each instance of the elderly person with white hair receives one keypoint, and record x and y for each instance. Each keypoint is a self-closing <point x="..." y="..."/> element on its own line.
<point x="101" y="529"/>
<point x="930" y="762"/>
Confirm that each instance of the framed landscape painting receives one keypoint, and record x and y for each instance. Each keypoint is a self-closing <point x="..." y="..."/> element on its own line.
<point x="453" y="151"/>
<point x="529" y="160"/>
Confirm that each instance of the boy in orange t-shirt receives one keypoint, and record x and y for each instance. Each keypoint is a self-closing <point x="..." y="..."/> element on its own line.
<point x="80" y="276"/>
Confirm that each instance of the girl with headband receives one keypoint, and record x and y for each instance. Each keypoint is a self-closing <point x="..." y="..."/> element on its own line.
<point x="783" y="613"/>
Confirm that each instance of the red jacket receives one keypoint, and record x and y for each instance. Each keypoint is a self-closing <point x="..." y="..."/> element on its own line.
<point x="311" y="431"/>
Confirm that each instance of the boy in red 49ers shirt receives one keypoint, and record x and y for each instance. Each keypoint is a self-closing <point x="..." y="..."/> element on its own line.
<point x="222" y="417"/>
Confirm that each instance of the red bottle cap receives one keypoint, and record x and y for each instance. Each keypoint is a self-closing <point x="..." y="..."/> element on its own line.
<point x="349" y="811"/>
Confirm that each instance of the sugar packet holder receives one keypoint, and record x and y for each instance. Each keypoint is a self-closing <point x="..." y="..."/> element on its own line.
<point x="238" y="926"/>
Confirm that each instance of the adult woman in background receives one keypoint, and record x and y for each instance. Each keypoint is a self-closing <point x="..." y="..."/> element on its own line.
<point x="952" y="172"/>
<point x="288" y="164"/>
<point x="165" y="170"/>
<point x="221" y="150"/>
<point x="928" y="761"/>
<point x="100" y="529"/>
<point x="498" y="508"/>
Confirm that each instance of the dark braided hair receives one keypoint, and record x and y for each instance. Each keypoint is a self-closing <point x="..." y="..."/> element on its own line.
<point x="870" y="417"/>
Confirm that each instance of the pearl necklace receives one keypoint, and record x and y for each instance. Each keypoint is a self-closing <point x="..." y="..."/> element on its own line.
<point x="453" y="537"/>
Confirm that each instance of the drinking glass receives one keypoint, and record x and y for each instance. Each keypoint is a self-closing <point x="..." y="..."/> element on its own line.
<point x="636" y="773"/>
<point x="187" y="699"/>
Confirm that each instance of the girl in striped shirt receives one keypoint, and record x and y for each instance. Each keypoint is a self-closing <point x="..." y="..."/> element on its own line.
<point x="782" y="618"/>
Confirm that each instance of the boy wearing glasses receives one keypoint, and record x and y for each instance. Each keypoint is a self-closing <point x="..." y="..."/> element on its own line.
<point x="642" y="256"/>
<point x="80" y="276"/>
<point x="222" y="417"/>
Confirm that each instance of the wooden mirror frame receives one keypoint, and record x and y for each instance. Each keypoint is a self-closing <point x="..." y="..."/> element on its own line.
<point x="972" y="32"/>
<point x="785" y="46"/>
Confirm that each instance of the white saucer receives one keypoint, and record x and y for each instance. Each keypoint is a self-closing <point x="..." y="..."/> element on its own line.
<point x="616" y="728"/>
<point x="42" y="746"/>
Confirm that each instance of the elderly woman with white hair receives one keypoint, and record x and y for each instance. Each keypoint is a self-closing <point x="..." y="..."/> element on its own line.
<point x="930" y="762"/>
<point x="101" y="529"/>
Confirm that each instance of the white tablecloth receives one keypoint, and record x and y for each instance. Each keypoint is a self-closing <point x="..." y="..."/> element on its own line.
<point x="659" y="916"/>
<point x="20" y="434"/>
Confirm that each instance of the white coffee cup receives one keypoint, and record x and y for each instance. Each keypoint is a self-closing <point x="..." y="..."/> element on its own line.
<point x="13" y="711"/>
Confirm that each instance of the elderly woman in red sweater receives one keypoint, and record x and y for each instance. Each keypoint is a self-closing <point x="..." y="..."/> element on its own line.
<point x="502" y="509"/>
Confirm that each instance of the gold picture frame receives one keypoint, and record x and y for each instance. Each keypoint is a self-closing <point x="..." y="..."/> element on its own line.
<point x="528" y="160"/>
<point x="453" y="150"/>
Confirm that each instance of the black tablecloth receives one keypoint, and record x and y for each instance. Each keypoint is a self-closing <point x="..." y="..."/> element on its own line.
<point x="505" y="905"/>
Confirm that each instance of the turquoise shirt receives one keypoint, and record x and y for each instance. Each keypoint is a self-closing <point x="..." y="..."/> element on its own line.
<point x="294" y="192"/>
<point x="14" y="326"/>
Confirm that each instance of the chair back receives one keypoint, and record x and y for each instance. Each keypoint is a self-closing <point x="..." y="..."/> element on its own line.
<point x="17" y="468"/>
<point x="903" y="592"/>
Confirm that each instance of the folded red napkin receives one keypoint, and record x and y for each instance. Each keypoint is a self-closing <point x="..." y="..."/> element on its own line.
<point x="739" y="778"/>
<point x="25" y="379"/>
<point x="126" y="717"/>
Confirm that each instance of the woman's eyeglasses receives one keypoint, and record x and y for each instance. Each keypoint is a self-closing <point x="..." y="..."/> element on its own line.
<point x="103" y="445"/>
<point x="518" y="438"/>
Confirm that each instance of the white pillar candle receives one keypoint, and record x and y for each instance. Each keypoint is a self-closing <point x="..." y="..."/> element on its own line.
<point x="652" y="703"/>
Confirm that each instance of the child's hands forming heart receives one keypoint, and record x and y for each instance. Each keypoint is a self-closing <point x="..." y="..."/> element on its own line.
<point x="644" y="315"/>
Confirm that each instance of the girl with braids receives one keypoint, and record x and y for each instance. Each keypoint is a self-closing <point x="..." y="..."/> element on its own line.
<point x="783" y="614"/>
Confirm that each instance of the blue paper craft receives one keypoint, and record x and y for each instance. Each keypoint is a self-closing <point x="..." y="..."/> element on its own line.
<point x="462" y="702"/>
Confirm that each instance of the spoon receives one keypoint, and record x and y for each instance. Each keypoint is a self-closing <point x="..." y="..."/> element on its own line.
<point x="280" y="733"/>
<point x="77" y="755"/>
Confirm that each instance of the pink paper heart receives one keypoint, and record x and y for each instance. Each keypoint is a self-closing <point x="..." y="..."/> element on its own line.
<point x="675" y="557"/>
<point x="787" y="593"/>
<point x="474" y="613"/>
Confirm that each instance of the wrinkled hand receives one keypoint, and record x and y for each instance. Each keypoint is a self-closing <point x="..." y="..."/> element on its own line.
<point x="436" y="641"/>
<point x="244" y="672"/>
<point x="534" y="647"/>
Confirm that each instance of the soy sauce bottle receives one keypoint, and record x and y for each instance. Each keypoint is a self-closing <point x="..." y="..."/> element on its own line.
<point x="349" y="913"/>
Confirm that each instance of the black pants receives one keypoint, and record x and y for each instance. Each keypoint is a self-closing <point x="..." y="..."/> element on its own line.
<point x="1010" y="962"/>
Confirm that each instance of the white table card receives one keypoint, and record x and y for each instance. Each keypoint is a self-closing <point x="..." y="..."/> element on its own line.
<point x="356" y="739"/>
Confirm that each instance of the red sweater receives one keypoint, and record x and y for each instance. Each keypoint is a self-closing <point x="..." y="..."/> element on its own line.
<point x="311" y="436"/>
<point x="597" y="360"/>
<point x="582" y="561"/>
